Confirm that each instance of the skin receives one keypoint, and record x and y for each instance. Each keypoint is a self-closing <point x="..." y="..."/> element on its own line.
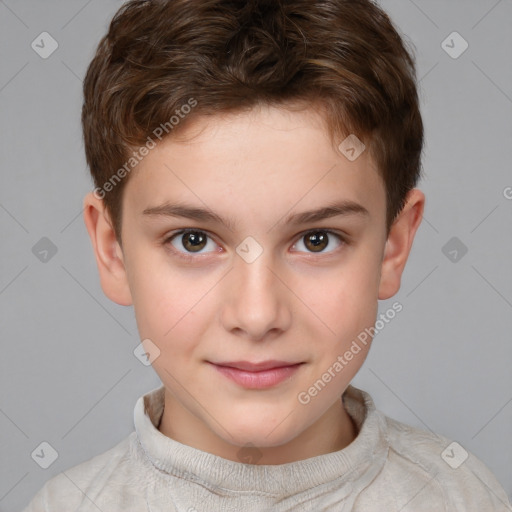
<point x="291" y="303"/>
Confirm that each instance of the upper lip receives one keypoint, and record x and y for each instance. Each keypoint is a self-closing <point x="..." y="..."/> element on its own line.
<point x="255" y="367"/>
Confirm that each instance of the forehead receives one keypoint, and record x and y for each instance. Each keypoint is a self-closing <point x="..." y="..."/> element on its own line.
<point x="256" y="165"/>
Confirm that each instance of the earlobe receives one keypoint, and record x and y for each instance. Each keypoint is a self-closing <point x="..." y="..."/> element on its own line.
<point x="399" y="243"/>
<point x="108" y="253"/>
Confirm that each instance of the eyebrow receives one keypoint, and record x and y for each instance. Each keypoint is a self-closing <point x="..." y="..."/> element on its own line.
<point x="341" y="208"/>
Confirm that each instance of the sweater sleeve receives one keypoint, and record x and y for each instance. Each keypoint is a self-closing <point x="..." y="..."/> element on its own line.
<point x="472" y="486"/>
<point x="37" y="503"/>
<point x="428" y="470"/>
<point x="57" y="495"/>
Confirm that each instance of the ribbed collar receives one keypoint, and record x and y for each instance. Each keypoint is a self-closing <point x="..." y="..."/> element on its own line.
<point x="354" y="467"/>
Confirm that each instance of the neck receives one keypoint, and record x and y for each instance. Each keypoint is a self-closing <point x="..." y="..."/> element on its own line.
<point x="333" y="431"/>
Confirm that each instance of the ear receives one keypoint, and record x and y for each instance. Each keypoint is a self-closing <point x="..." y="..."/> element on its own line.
<point x="108" y="252"/>
<point x="399" y="243"/>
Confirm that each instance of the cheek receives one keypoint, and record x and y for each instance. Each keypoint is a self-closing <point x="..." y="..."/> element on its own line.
<point x="345" y="298"/>
<point x="160" y="296"/>
<point x="171" y="304"/>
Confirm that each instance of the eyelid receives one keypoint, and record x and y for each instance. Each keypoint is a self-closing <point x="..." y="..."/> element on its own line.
<point x="332" y="231"/>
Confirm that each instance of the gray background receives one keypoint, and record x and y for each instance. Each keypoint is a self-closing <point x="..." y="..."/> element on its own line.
<point x="68" y="373"/>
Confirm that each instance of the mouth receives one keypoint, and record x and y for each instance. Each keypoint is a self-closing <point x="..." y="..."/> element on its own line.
<point x="260" y="375"/>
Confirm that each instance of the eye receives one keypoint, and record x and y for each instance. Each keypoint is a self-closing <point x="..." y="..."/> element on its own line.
<point x="192" y="240"/>
<point x="188" y="242"/>
<point x="316" y="241"/>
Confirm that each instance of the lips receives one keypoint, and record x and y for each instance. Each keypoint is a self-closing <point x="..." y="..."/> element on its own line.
<point x="257" y="367"/>
<point x="262" y="375"/>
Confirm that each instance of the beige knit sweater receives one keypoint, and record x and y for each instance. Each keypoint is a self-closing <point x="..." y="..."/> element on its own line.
<point x="389" y="467"/>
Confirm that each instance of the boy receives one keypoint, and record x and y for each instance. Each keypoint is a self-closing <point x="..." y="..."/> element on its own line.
<point x="255" y="167"/>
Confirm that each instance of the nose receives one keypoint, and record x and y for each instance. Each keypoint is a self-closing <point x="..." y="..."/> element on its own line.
<point x="256" y="304"/>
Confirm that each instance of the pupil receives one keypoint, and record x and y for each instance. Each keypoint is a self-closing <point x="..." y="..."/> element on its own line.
<point x="193" y="240"/>
<point x="318" y="241"/>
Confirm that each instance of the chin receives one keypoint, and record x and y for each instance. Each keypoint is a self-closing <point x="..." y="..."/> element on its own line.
<point x="260" y="434"/>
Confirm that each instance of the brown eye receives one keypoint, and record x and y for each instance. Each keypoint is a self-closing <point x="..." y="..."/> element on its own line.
<point x="317" y="241"/>
<point x="190" y="241"/>
<point x="193" y="241"/>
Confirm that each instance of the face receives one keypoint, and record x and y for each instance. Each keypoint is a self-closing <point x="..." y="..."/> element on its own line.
<point x="227" y="266"/>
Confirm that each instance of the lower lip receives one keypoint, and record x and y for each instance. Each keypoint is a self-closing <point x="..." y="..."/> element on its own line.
<point x="258" y="380"/>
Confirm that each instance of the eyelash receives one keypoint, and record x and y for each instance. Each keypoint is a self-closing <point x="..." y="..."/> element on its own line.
<point x="191" y="256"/>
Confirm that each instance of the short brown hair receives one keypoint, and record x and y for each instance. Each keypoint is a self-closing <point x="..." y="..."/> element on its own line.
<point x="230" y="55"/>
